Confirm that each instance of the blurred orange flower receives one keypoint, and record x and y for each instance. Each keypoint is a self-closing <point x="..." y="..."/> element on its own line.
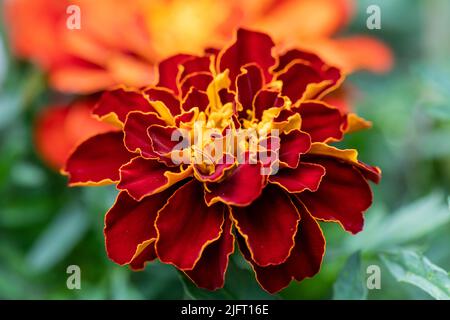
<point x="120" y="41"/>
<point x="60" y="128"/>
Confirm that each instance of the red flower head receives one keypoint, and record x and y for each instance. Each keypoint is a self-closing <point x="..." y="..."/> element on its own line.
<point x="231" y="145"/>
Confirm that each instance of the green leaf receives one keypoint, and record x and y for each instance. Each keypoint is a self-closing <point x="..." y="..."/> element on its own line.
<point x="410" y="222"/>
<point x="56" y="242"/>
<point x="414" y="268"/>
<point x="350" y="283"/>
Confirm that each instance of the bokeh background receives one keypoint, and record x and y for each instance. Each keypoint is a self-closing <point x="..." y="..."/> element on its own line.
<point x="46" y="226"/>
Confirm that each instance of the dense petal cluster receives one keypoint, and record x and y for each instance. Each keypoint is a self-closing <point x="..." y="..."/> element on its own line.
<point x="191" y="212"/>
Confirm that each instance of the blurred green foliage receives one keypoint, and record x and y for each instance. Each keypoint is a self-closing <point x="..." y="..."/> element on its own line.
<point x="45" y="226"/>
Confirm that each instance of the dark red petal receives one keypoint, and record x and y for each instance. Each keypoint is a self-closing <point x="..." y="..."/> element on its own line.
<point x="120" y="102"/>
<point x="209" y="272"/>
<point x="98" y="159"/>
<point x="249" y="47"/>
<point x="168" y="71"/>
<point x="195" y="98"/>
<point x="266" y="99"/>
<point x="369" y="172"/>
<point x="343" y="195"/>
<point x="147" y="255"/>
<point x="296" y="79"/>
<point x="199" y="80"/>
<point x="293" y="144"/>
<point x="248" y="83"/>
<point x="130" y="223"/>
<point x="186" y="117"/>
<point x="186" y="225"/>
<point x="135" y="129"/>
<point x="306" y="176"/>
<point x="241" y="188"/>
<point x="295" y="54"/>
<point x="321" y="122"/>
<point x="165" y="96"/>
<point x="268" y="225"/>
<point x="304" y="261"/>
<point x="161" y="139"/>
<point x="194" y="65"/>
<point x="142" y="177"/>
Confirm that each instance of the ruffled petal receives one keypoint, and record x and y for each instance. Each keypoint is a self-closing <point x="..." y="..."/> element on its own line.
<point x="304" y="261"/>
<point x="306" y="176"/>
<point x="199" y="81"/>
<point x="161" y="139"/>
<point x="240" y="188"/>
<point x="135" y="129"/>
<point x="148" y="254"/>
<point x="129" y="226"/>
<point x="343" y="195"/>
<point x="209" y="272"/>
<point x="168" y="71"/>
<point x="322" y="122"/>
<point x="292" y="146"/>
<point x="143" y="177"/>
<point x="248" y="83"/>
<point x="266" y="99"/>
<point x="268" y="225"/>
<point x="114" y="105"/>
<point x="97" y="160"/>
<point x="165" y="96"/>
<point x="195" y="99"/>
<point x="249" y="47"/>
<point x="186" y="226"/>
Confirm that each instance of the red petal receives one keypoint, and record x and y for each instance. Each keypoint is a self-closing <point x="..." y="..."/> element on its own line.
<point x="292" y="146"/>
<point x="186" y="226"/>
<point x="295" y="54"/>
<point x="268" y="225"/>
<point x="161" y="139"/>
<point x="135" y="129"/>
<point x="343" y="195"/>
<point x="130" y="223"/>
<point x="165" y="96"/>
<point x="168" y="71"/>
<point x="248" y="83"/>
<point x="142" y="177"/>
<point x="186" y="117"/>
<point x="195" y="98"/>
<point x="120" y="102"/>
<point x="199" y="80"/>
<point x="266" y="99"/>
<point x="304" y="261"/>
<point x="306" y="176"/>
<point x="194" y="65"/>
<point x="98" y="160"/>
<point x="249" y="47"/>
<point x="321" y="121"/>
<point x="147" y="255"/>
<point x="296" y="78"/>
<point x="241" y="188"/>
<point x="209" y="272"/>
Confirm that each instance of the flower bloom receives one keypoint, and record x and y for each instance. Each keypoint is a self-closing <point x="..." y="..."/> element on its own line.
<point x="60" y="128"/>
<point x="120" y="42"/>
<point x="190" y="214"/>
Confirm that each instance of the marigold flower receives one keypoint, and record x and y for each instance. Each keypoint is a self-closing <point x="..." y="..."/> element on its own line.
<point x="60" y="128"/>
<point x="189" y="213"/>
<point x="120" y="42"/>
